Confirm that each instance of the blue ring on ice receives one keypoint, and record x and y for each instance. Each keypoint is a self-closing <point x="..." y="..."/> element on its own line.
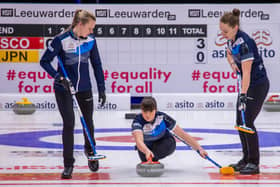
<point x="32" y="139"/>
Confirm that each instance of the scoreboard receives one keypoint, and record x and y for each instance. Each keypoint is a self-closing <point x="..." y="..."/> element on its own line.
<point x="47" y="30"/>
<point x="32" y="31"/>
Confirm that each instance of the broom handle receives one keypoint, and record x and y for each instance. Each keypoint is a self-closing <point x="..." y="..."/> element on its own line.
<point x="182" y="140"/>
<point x="211" y="160"/>
<point x="73" y="93"/>
<point x="239" y="92"/>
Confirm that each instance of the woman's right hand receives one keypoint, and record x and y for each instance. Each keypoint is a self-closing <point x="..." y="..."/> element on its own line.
<point x="149" y="154"/>
<point x="234" y="68"/>
<point x="233" y="65"/>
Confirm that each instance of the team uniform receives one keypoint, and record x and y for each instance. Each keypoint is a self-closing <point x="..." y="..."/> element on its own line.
<point x="243" y="49"/>
<point x="156" y="135"/>
<point x="75" y="55"/>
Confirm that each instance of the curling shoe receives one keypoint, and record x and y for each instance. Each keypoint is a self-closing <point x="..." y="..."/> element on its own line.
<point x="93" y="165"/>
<point x="67" y="173"/>
<point x="238" y="166"/>
<point x="250" y="169"/>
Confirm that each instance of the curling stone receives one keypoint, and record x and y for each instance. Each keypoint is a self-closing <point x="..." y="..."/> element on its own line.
<point x="272" y="104"/>
<point x="24" y="107"/>
<point x="150" y="169"/>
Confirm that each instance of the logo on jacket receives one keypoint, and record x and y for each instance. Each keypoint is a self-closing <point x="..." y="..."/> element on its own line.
<point x="148" y="128"/>
<point x="70" y="47"/>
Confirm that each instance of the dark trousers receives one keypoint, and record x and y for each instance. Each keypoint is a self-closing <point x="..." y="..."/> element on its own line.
<point x="65" y="105"/>
<point x="160" y="148"/>
<point x="250" y="142"/>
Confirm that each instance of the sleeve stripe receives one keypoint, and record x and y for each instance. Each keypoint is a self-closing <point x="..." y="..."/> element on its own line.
<point x="137" y="130"/>
<point x="244" y="60"/>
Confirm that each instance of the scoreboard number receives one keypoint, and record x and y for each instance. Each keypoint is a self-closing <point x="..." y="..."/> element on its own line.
<point x="200" y="53"/>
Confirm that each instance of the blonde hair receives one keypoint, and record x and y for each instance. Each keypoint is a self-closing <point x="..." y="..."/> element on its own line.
<point x="231" y="18"/>
<point x="82" y="16"/>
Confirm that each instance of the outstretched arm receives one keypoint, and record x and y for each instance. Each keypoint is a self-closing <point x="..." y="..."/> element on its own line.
<point x="189" y="140"/>
<point x="141" y="146"/>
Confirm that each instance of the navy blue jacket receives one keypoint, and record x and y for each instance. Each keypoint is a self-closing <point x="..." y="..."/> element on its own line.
<point x="75" y="55"/>
<point x="244" y="48"/>
<point x="156" y="129"/>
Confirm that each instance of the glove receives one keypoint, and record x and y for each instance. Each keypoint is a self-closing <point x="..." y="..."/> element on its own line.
<point x="101" y="98"/>
<point x="65" y="83"/>
<point x="242" y="101"/>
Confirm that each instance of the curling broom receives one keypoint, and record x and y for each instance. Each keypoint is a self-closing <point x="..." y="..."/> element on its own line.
<point x="243" y="127"/>
<point x="73" y="93"/>
<point x="223" y="170"/>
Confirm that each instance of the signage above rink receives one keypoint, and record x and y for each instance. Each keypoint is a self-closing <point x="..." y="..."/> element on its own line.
<point x="129" y="13"/>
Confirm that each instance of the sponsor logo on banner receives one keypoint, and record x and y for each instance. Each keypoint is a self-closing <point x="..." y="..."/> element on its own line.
<point x="6" y="12"/>
<point x="134" y="14"/>
<point x="101" y="13"/>
<point x="35" y="13"/>
<point x="190" y="105"/>
<point x="220" y="40"/>
<point x="249" y="13"/>
<point x="23" y="56"/>
<point x="198" y="102"/>
<point x="183" y="104"/>
<point x="262" y="38"/>
<point x="194" y="13"/>
<point x="21" y="43"/>
<point x="44" y="102"/>
<point x="108" y="106"/>
<point x="44" y="105"/>
<point x="114" y="102"/>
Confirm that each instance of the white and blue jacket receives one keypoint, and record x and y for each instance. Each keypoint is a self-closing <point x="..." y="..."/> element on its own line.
<point x="156" y="129"/>
<point x="75" y="54"/>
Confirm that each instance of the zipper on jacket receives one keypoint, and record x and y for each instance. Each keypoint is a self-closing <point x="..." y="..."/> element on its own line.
<point x="79" y="63"/>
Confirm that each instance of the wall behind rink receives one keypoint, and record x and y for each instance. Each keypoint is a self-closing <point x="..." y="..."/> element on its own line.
<point x="121" y="102"/>
<point x="145" y="49"/>
<point x="47" y="102"/>
<point x="165" y="101"/>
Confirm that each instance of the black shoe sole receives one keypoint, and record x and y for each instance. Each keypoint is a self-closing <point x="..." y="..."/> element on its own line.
<point x="236" y="169"/>
<point x="66" y="177"/>
<point x="249" y="173"/>
<point x="93" y="169"/>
